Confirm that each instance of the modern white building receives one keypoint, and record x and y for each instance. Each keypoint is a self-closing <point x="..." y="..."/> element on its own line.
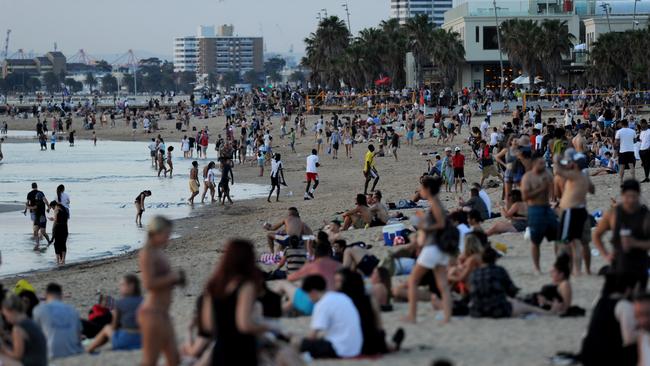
<point x="186" y="53"/>
<point x="476" y="23"/>
<point x="434" y="9"/>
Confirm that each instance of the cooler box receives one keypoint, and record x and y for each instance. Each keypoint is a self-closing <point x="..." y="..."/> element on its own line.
<point x="391" y="231"/>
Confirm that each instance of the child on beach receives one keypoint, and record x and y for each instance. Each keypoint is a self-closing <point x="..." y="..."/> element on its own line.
<point x="139" y="206"/>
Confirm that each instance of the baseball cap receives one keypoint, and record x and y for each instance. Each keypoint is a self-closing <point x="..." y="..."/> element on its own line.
<point x="447" y="149"/>
<point x="571" y="155"/>
<point x="457" y="148"/>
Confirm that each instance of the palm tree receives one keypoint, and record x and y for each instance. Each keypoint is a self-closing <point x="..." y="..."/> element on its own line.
<point x="418" y="30"/>
<point x="370" y="43"/>
<point x="90" y="81"/>
<point x="447" y="53"/>
<point x="556" y="42"/>
<point x="520" y="40"/>
<point x="324" y="50"/>
<point x="395" y="42"/>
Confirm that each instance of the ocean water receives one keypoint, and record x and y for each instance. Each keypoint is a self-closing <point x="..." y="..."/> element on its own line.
<point x="102" y="182"/>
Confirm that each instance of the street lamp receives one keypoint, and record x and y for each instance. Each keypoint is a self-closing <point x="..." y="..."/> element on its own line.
<point x="347" y="12"/>
<point x="634" y="16"/>
<point x="607" y="8"/>
<point x="496" y="20"/>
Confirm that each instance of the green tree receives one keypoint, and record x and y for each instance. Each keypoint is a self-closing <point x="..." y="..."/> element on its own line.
<point x="395" y="46"/>
<point x="274" y="65"/>
<point x="185" y="81"/>
<point x="51" y="82"/>
<point x="324" y="50"/>
<point x="447" y="54"/>
<point x="103" y="66"/>
<point x="275" y="77"/>
<point x="90" y="81"/>
<point x="73" y="85"/>
<point x="109" y="83"/>
<point x="251" y="77"/>
<point x="229" y="79"/>
<point x="128" y="81"/>
<point x="32" y="84"/>
<point x="555" y="43"/>
<point x="521" y="40"/>
<point x="419" y="32"/>
<point x="297" y="77"/>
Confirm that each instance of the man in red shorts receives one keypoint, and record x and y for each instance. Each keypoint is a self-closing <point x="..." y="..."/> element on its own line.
<point x="312" y="174"/>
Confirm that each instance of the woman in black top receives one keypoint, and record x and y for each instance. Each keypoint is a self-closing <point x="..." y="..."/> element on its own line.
<point x="228" y="306"/>
<point x="29" y="346"/>
<point x="60" y="231"/>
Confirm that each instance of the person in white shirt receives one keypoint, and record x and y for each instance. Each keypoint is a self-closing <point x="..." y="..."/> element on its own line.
<point x="152" y="152"/>
<point x="644" y="149"/>
<point x="484" y="128"/>
<point x="335" y="323"/>
<point x="624" y="139"/>
<point x="485" y="197"/>
<point x="494" y="138"/>
<point x="312" y="174"/>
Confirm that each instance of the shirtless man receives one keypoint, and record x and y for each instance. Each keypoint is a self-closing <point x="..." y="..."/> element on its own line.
<point x="158" y="279"/>
<point x="536" y="186"/>
<point x="292" y="224"/>
<point x="359" y="216"/>
<point x="194" y="181"/>
<point x="579" y="142"/>
<point x="573" y="205"/>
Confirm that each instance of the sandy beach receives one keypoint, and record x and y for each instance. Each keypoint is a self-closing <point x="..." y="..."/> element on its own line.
<point x="465" y="341"/>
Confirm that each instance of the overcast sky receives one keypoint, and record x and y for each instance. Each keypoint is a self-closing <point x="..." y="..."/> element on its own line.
<point x="114" y="26"/>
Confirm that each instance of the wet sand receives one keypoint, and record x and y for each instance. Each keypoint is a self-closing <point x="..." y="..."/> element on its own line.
<point x="470" y="342"/>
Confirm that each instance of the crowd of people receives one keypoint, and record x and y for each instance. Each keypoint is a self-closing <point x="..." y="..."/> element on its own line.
<point x="543" y="168"/>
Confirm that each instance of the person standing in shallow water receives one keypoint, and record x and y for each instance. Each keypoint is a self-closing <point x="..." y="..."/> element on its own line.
<point x="139" y="206"/>
<point x="194" y="182"/>
<point x="158" y="279"/>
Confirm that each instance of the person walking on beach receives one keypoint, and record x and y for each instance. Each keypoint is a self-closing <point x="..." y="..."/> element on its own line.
<point x="208" y="181"/>
<point x="369" y="170"/>
<point x="624" y="141"/>
<point x="536" y="187"/>
<point x="139" y="206"/>
<point x="158" y="279"/>
<point x="194" y="181"/>
<point x="226" y="177"/>
<point x="312" y="174"/>
<point x="153" y="147"/>
<point x="277" y="173"/>
<point x="160" y="158"/>
<point x="2" y="140"/>
<point x="37" y="205"/>
<point x="169" y="161"/>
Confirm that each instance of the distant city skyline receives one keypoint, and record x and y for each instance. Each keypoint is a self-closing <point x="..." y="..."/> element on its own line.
<point x="105" y="29"/>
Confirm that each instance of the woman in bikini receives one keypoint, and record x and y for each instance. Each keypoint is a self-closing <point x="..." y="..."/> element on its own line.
<point x="169" y="161"/>
<point x="517" y="214"/>
<point x="158" y="279"/>
<point x="139" y="206"/>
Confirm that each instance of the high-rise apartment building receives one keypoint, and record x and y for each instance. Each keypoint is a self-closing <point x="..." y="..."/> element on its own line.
<point x="209" y="53"/>
<point x="434" y="9"/>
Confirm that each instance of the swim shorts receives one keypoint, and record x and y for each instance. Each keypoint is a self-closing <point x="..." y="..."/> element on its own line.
<point x="573" y="223"/>
<point x="312" y="177"/>
<point x="367" y="264"/>
<point x="40" y="221"/>
<point x="542" y="223"/>
<point x="194" y="186"/>
<point x="626" y="158"/>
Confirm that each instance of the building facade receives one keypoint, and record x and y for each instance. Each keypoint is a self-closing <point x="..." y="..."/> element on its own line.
<point x="50" y="62"/>
<point x="476" y="23"/>
<point x="219" y="53"/>
<point x="434" y="9"/>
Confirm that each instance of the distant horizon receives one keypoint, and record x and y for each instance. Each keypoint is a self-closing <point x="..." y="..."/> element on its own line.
<point x="282" y="23"/>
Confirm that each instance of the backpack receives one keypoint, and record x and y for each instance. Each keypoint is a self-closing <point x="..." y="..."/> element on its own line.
<point x="447" y="238"/>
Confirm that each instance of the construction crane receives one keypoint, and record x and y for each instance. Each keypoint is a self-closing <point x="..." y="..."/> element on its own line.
<point x="6" y="49"/>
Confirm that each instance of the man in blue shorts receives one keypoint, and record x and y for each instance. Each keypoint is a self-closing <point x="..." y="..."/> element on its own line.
<point x="536" y="186"/>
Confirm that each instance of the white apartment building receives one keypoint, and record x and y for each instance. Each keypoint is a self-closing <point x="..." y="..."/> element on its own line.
<point x="186" y="54"/>
<point x="434" y="9"/>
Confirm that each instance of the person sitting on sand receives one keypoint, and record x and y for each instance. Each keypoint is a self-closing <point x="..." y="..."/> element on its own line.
<point x="60" y="322"/>
<point x="558" y="295"/>
<point x="517" y="214"/>
<point x="28" y="343"/>
<point x="335" y="324"/>
<point x="351" y="284"/>
<point x="607" y="166"/>
<point x="358" y="217"/>
<point x="358" y="258"/>
<point x="322" y="265"/>
<point x="474" y="203"/>
<point x="293" y="258"/>
<point x="468" y="261"/>
<point x="381" y="288"/>
<point x="139" y="206"/>
<point x="474" y="220"/>
<point x="123" y="332"/>
<point x="378" y="210"/>
<point x="293" y="226"/>
<point x="492" y="292"/>
<point x="195" y="346"/>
